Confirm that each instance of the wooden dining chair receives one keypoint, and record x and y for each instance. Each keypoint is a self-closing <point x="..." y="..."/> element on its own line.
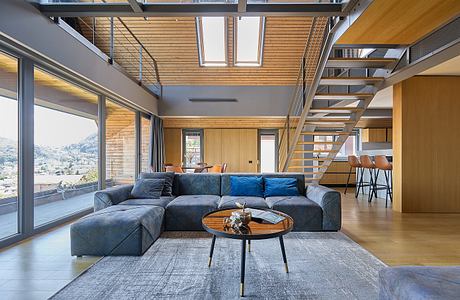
<point x="175" y="169"/>
<point x="215" y="169"/>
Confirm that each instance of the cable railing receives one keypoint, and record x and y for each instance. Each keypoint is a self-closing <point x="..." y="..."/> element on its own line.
<point x="114" y="38"/>
<point x="307" y="67"/>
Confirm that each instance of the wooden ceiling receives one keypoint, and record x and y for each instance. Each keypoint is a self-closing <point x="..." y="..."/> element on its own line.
<point x="173" y="43"/>
<point x="399" y="22"/>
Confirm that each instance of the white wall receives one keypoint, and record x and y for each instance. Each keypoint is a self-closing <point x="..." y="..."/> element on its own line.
<point x="23" y="23"/>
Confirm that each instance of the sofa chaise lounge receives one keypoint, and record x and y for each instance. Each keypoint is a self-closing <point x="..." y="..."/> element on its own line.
<point x="123" y="225"/>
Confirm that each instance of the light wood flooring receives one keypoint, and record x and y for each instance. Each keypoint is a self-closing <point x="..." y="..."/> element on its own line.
<point x="40" y="266"/>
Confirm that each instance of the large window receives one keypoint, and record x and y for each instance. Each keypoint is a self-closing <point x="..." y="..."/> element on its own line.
<point x="50" y="126"/>
<point x="348" y="148"/>
<point x="249" y="38"/>
<point x="120" y="144"/>
<point x="145" y="144"/>
<point x="212" y="41"/>
<point x="8" y="146"/>
<point x="65" y="148"/>
<point x="192" y="146"/>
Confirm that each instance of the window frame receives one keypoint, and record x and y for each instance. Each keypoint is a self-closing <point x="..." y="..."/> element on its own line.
<point x="27" y="61"/>
<point x="200" y="45"/>
<point x="261" y="43"/>
<point x="260" y="133"/>
<point x="184" y="134"/>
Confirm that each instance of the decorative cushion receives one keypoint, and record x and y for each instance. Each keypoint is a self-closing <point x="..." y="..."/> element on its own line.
<point x="280" y="187"/>
<point x="147" y="188"/>
<point x="247" y="186"/>
<point x="230" y="201"/>
<point x="167" y="176"/>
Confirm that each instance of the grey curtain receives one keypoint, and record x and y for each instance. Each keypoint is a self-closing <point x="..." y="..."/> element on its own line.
<point x="157" y="147"/>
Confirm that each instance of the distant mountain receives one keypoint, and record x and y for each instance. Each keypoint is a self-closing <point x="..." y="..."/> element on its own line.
<point x="87" y="145"/>
<point x="9" y="150"/>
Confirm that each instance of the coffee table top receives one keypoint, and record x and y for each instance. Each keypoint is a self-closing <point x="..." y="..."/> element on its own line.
<point x="213" y="222"/>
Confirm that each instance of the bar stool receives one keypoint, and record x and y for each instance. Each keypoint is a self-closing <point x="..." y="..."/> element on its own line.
<point x="354" y="163"/>
<point x="382" y="163"/>
<point x="367" y="163"/>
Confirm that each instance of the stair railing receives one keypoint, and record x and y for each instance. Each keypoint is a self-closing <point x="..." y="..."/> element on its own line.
<point x="309" y="90"/>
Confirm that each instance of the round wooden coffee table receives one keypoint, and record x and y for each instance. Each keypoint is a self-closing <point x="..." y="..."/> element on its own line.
<point x="213" y="222"/>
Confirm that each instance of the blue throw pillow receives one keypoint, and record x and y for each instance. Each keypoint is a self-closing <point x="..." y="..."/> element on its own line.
<point x="246" y="186"/>
<point x="281" y="187"/>
<point x="148" y="188"/>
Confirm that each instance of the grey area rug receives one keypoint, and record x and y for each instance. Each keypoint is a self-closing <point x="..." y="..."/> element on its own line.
<point x="322" y="265"/>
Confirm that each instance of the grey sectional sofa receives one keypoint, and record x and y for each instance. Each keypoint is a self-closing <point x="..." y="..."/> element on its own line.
<point x="120" y="220"/>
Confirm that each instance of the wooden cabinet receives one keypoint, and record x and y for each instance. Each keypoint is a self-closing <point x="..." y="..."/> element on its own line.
<point x="337" y="174"/>
<point x="376" y="135"/>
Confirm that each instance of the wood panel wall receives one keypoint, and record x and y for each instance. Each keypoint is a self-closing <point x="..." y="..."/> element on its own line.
<point x="426" y="144"/>
<point x="236" y="147"/>
<point x="120" y="144"/>
<point x="173" y="146"/>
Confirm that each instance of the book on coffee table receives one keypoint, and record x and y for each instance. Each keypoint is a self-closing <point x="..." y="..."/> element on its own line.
<point x="265" y="215"/>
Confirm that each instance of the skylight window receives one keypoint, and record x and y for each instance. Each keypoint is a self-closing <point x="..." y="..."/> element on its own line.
<point x="212" y="41"/>
<point x="249" y="38"/>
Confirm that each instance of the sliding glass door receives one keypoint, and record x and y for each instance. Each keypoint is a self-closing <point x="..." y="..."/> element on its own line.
<point x="66" y="148"/>
<point x="61" y="140"/>
<point x="9" y="153"/>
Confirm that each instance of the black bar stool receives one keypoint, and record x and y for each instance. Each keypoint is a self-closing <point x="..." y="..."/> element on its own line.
<point x="382" y="163"/>
<point x="367" y="163"/>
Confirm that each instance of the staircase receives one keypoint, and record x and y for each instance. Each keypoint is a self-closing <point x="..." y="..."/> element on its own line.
<point x="325" y="110"/>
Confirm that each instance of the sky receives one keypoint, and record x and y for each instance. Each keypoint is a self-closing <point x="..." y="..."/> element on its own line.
<point x="52" y="128"/>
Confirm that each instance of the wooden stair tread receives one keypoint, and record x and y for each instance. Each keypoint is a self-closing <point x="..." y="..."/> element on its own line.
<point x="307" y="159"/>
<point x="342" y="96"/>
<point x="350" y="80"/>
<point x="335" y="109"/>
<point x="314" y="151"/>
<point x="319" y="143"/>
<point x="349" y="62"/>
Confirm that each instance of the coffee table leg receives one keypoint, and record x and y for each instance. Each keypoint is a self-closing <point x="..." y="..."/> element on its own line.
<point x="249" y="245"/>
<point x="284" y="254"/>
<point x="212" y="250"/>
<point x="243" y="263"/>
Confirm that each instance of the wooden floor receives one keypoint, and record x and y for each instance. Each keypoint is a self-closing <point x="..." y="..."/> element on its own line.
<point x="40" y="266"/>
<point x="402" y="239"/>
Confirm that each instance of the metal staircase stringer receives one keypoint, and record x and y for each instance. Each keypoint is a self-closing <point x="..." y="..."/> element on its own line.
<point x="355" y="116"/>
<point x="355" y="8"/>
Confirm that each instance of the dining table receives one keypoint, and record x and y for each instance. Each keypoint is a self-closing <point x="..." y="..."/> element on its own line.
<point x="195" y="168"/>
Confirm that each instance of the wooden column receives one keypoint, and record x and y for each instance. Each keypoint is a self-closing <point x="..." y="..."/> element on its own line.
<point x="426" y="144"/>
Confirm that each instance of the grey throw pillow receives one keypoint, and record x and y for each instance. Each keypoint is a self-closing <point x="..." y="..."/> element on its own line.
<point x="148" y="188"/>
<point x="167" y="176"/>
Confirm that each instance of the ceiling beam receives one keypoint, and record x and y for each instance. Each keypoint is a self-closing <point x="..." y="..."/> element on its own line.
<point x="136" y="6"/>
<point x="80" y="9"/>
